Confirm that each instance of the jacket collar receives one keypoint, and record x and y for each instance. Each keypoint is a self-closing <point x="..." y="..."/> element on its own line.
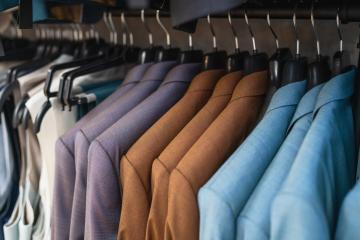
<point x="338" y="88"/>
<point x="288" y="95"/>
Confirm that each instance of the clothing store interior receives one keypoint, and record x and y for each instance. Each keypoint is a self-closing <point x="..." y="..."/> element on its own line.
<point x="179" y="119"/>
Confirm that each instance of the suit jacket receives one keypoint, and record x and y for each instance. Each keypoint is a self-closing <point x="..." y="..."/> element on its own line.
<point x="246" y="165"/>
<point x="171" y="155"/>
<point x="135" y="165"/>
<point x="148" y="84"/>
<point x="208" y="153"/>
<point x="64" y="179"/>
<point x="254" y="220"/>
<point x="103" y="195"/>
<point x="308" y="203"/>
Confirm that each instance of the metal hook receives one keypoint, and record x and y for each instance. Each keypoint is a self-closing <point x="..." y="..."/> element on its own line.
<point x="113" y="28"/>
<point x="236" y="38"/>
<point x="251" y="32"/>
<point x="314" y="29"/>
<point x="168" y="40"/>
<point x="296" y="34"/>
<point x="212" y="33"/>
<point x="80" y="31"/>
<point x="127" y="29"/>
<point x="74" y="31"/>
<point x="191" y="47"/>
<point x="272" y="30"/>
<point x="37" y="31"/>
<point x="150" y="35"/>
<point x="339" y="30"/>
<point x="107" y="24"/>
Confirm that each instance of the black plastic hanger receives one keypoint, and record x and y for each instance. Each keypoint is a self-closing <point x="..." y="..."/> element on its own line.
<point x="216" y="59"/>
<point x="255" y="62"/>
<point x="191" y="55"/>
<point x="278" y="59"/>
<point x="235" y="61"/>
<point x="18" y="111"/>
<point x="319" y="70"/>
<point x="295" y="69"/>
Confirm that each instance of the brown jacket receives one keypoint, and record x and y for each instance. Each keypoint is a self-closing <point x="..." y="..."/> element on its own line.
<point x="172" y="154"/>
<point x="208" y="153"/>
<point x="135" y="166"/>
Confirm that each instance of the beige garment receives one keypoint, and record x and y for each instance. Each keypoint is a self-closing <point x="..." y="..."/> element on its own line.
<point x="207" y="154"/>
<point x="176" y="149"/>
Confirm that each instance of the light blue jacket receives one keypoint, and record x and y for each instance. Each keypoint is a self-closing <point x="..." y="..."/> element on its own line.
<point x="348" y="227"/>
<point x="323" y="171"/>
<point x="222" y="198"/>
<point x="254" y="220"/>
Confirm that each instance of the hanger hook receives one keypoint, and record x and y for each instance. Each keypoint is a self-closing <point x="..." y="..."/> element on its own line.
<point x="314" y="29"/>
<point x="80" y="32"/>
<point x="150" y="35"/>
<point x="338" y="23"/>
<point x="296" y="33"/>
<point x="212" y="32"/>
<point x="127" y="29"/>
<point x="37" y="31"/>
<point x="236" y="38"/>
<point x="251" y="32"/>
<point x="168" y="40"/>
<point x="191" y="47"/>
<point x="272" y="30"/>
<point x="113" y="28"/>
<point x="107" y="24"/>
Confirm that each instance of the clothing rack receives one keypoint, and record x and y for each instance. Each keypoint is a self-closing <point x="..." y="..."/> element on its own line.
<point x="348" y="12"/>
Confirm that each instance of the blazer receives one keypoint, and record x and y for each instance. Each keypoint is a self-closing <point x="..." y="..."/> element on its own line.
<point x="208" y="153"/>
<point x="246" y="165"/>
<point x="171" y="155"/>
<point x="86" y="134"/>
<point x="323" y="171"/>
<point x="135" y="165"/>
<point x="254" y="219"/>
<point x="64" y="179"/>
<point x="103" y="194"/>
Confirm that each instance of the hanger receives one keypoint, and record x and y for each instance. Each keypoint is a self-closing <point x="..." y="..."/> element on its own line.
<point x="215" y="59"/>
<point x="295" y="69"/>
<point x="129" y="54"/>
<point x="21" y="49"/>
<point x="107" y="55"/>
<point x="257" y="61"/>
<point x="168" y="53"/>
<point x="319" y="70"/>
<point x="191" y="55"/>
<point x="235" y="61"/>
<point x="147" y="54"/>
<point x="278" y="59"/>
<point x="341" y="59"/>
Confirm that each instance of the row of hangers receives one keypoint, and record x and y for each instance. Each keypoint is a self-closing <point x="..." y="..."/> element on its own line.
<point x="92" y="54"/>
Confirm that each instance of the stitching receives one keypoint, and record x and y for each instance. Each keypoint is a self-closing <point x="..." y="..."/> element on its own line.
<point x="191" y="186"/>
<point x="66" y="147"/>
<point x="253" y="96"/>
<point x="166" y="168"/>
<point x="137" y="174"/>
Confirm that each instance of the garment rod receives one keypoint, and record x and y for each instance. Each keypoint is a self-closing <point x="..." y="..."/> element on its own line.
<point x="347" y="13"/>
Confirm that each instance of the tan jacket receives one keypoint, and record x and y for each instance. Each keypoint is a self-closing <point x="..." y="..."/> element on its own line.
<point x="135" y="166"/>
<point x="208" y="153"/>
<point x="172" y="154"/>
